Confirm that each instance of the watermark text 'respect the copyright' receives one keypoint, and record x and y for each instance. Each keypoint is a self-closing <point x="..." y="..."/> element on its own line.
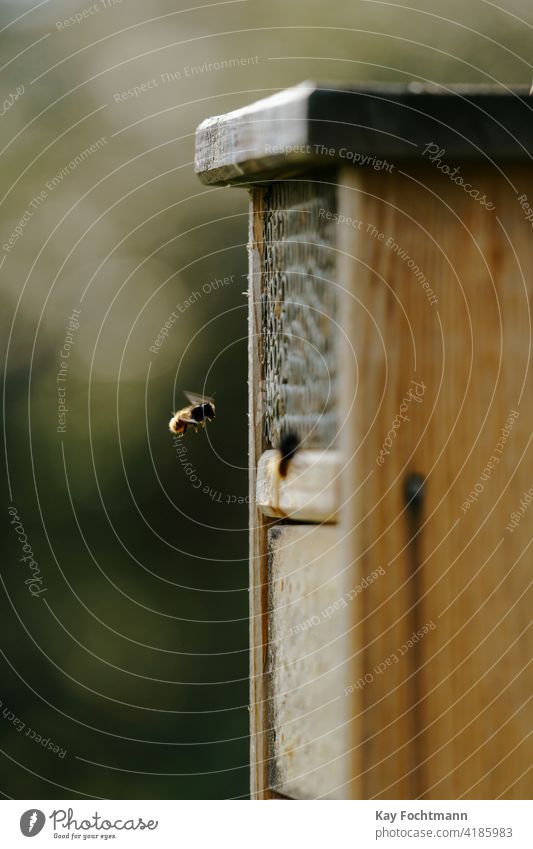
<point x="517" y="516"/>
<point x="365" y="159"/>
<point x="72" y="327"/>
<point x="195" y="481"/>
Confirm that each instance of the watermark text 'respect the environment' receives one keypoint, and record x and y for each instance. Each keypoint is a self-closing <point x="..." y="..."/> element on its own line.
<point x="388" y="242"/>
<point x="184" y="73"/>
<point x="50" y="185"/>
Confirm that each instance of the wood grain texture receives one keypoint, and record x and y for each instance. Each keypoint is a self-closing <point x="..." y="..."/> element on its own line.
<point x="434" y="651"/>
<point x="309" y="662"/>
<point x="447" y="714"/>
<point x="227" y="145"/>
<point x="258" y="592"/>
<point x="313" y="125"/>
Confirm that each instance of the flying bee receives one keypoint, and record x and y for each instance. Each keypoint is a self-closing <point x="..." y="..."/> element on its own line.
<point x="200" y="410"/>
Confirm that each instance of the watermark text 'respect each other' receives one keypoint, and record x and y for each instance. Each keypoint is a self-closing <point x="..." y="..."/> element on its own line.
<point x="391" y="660"/>
<point x="492" y="462"/>
<point x="20" y="726"/>
<point x="184" y="73"/>
<point x="331" y="609"/>
<point x="183" y="306"/>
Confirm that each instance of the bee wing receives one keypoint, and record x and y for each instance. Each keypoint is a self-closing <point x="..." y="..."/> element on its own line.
<point x="195" y="399"/>
<point x="184" y="415"/>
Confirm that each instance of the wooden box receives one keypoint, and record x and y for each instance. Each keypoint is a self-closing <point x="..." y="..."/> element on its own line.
<point x="391" y="263"/>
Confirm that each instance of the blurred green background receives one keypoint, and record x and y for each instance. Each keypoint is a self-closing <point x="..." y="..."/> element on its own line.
<point x="134" y="661"/>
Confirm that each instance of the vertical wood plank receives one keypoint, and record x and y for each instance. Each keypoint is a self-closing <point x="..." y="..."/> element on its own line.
<point x="259" y="740"/>
<point x="309" y="660"/>
<point x="444" y="714"/>
<point x="353" y="487"/>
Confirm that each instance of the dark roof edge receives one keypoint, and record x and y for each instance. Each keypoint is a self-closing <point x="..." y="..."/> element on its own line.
<point x="319" y="124"/>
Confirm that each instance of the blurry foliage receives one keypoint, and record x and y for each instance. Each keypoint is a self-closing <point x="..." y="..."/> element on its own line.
<point x="137" y="661"/>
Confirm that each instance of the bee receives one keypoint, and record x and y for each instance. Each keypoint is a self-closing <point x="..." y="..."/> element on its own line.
<point x="200" y="409"/>
<point x="288" y="446"/>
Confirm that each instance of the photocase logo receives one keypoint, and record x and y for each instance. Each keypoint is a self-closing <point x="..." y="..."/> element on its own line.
<point x="32" y="822"/>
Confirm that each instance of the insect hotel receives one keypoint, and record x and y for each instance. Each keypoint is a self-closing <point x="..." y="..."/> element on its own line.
<point x="391" y="265"/>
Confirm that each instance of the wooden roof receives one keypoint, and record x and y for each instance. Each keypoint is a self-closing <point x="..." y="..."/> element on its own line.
<point x="324" y="124"/>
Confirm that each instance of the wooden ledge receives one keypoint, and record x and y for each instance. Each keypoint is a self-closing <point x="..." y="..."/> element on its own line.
<point x="310" y="492"/>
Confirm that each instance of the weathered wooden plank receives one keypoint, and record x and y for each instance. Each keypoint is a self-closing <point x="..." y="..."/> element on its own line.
<point x="313" y="125"/>
<point x="443" y="717"/>
<point x="311" y="491"/>
<point x="258" y="591"/>
<point x="226" y="147"/>
<point x="309" y="661"/>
